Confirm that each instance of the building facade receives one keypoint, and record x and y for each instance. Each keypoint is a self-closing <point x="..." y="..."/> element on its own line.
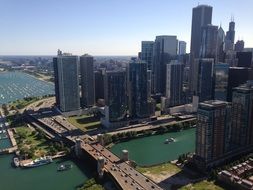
<point x="181" y="48"/>
<point x="137" y="89"/>
<point x="87" y="81"/>
<point x="213" y="130"/>
<point x="67" y="82"/>
<point x="174" y="83"/>
<point x="165" y="48"/>
<point x="221" y="81"/>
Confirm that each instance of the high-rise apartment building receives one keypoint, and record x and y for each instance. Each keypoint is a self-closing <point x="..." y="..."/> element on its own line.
<point x="174" y="83"/>
<point x="165" y="48"/>
<point x="221" y="81"/>
<point x="147" y="52"/>
<point x="99" y="84"/>
<point x="242" y="116"/>
<point x="115" y="95"/>
<point x="236" y="77"/>
<point x="66" y="82"/>
<point x="137" y="89"/>
<point x="213" y="130"/>
<point x="181" y="48"/>
<point x="205" y="87"/>
<point x="87" y="81"/>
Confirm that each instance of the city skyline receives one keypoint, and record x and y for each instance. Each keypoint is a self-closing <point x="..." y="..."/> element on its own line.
<point x="33" y="28"/>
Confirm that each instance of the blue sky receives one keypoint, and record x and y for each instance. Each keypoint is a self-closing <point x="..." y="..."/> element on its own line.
<point x="107" y="27"/>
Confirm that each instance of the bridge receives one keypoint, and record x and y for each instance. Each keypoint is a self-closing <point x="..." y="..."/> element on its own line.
<point x="125" y="176"/>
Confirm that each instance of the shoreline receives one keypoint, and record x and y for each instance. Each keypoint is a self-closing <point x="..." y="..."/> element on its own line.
<point x="39" y="78"/>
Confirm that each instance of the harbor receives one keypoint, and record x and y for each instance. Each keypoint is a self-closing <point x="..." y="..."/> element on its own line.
<point x="18" y="85"/>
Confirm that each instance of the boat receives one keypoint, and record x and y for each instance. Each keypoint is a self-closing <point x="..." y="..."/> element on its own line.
<point x="38" y="162"/>
<point x="64" y="167"/>
<point x="169" y="140"/>
<point x="16" y="161"/>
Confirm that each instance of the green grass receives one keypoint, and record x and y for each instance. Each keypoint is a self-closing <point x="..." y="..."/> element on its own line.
<point x="20" y="104"/>
<point x="203" y="185"/>
<point x="85" y="122"/>
<point x="27" y="140"/>
<point x="159" y="169"/>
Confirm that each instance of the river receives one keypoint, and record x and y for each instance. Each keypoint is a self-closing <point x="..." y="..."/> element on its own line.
<point x="41" y="178"/>
<point x="152" y="150"/>
<point x="18" y="85"/>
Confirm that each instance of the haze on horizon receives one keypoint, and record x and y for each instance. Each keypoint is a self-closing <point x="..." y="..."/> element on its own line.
<point x="110" y="27"/>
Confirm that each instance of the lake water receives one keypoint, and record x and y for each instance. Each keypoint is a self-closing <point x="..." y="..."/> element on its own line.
<point x="41" y="178"/>
<point x="152" y="150"/>
<point x="17" y="85"/>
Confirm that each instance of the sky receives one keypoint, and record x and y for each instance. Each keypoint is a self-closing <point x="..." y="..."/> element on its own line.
<point x="107" y="27"/>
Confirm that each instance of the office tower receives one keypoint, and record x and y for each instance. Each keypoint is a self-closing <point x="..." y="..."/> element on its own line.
<point x="220" y="45"/>
<point x="165" y="48"/>
<point x="56" y="81"/>
<point x="239" y="46"/>
<point x="230" y="58"/>
<point x="181" y="48"/>
<point x="115" y="95"/>
<point x="174" y="83"/>
<point x="209" y="48"/>
<point x="244" y="59"/>
<point x="242" y="116"/>
<point x="221" y="81"/>
<point x="147" y="52"/>
<point x="201" y="16"/>
<point x="230" y="37"/>
<point x="149" y="81"/>
<point x="87" y="81"/>
<point x="205" y="79"/>
<point x="137" y="89"/>
<point x="99" y="84"/>
<point x="236" y="77"/>
<point x="213" y="130"/>
<point x="66" y="82"/>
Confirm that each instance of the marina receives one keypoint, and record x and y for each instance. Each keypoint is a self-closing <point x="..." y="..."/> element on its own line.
<point x="18" y="85"/>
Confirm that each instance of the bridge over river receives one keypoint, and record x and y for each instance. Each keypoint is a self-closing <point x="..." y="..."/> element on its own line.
<point x="125" y="176"/>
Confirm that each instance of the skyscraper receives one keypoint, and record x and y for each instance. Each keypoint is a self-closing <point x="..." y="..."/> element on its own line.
<point x="242" y="116"/>
<point x="208" y="47"/>
<point x="115" y="95"/>
<point x="221" y="81"/>
<point x="87" y="80"/>
<point x="236" y="77"/>
<point x="174" y="83"/>
<point x="239" y="46"/>
<point x="205" y="88"/>
<point x="244" y="59"/>
<point x="66" y="82"/>
<point x="213" y="130"/>
<point x="99" y="84"/>
<point x="137" y="89"/>
<point x="147" y="52"/>
<point x="201" y="16"/>
<point x="206" y="79"/>
<point x="165" y="48"/>
<point x="181" y="48"/>
<point x="230" y="37"/>
<point x="221" y="45"/>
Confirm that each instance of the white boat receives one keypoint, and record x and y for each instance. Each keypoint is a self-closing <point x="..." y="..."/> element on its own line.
<point x="16" y="161"/>
<point x="39" y="162"/>
<point x="169" y="140"/>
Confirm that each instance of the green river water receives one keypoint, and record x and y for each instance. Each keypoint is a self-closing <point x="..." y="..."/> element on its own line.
<point x="152" y="150"/>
